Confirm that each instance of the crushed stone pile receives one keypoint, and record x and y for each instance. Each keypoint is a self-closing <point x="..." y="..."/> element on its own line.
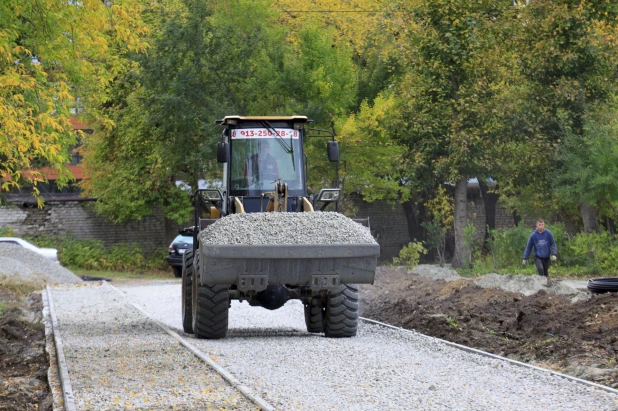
<point x="435" y="272"/>
<point x="20" y="264"/>
<point x="524" y="284"/>
<point x="286" y="228"/>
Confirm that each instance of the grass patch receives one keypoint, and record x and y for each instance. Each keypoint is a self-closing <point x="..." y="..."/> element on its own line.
<point x="110" y="274"/>
<point x="20" y="288"/>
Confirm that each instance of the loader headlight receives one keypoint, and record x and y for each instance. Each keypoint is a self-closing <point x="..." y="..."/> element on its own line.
<point x="329" y="195"/>
<point x="211" y="195"/>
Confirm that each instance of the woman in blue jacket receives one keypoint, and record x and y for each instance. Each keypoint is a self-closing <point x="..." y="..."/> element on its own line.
<point x="544" y="245"/>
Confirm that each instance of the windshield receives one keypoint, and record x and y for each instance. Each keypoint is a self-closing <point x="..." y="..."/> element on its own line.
<point x="183" y="239"/>
<point x="259" y="158"/>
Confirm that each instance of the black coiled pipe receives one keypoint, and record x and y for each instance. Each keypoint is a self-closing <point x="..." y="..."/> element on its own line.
<point x="603" y="285"/>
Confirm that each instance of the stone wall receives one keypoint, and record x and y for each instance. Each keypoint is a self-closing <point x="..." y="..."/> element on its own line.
<point x="76" y="218"/>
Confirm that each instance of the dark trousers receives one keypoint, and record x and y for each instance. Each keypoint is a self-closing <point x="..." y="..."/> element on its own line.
<point x="542" y="265"/>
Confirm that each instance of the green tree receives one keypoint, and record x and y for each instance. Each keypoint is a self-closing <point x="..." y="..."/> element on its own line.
<point x="568" y="54"/>
<point x="52" y="53"/>
<point x="207" y="62"/>
<point x="588" y="163"/>
<point x="449" y="111"/>
<point x="372" y="162"/>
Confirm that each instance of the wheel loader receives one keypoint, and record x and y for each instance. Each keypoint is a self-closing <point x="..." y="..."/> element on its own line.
<point x="264" y="171"/>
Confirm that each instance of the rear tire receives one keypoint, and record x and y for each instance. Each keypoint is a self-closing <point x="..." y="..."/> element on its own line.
<point x="211" y="304"/>
<point x="341" y="316"/>
<point x="314" y="315"/>
<point x="177" y="271"/>
<point x="187" y="286"/>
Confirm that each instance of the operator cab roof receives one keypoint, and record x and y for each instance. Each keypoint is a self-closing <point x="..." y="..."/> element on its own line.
<point x="233" y="120"/>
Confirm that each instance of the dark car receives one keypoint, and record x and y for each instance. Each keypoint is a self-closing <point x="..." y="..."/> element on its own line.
<point x="177" y="249"/>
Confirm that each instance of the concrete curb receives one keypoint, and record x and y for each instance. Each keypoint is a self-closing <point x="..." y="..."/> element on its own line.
<point x="63" y="369"/>
<point x="497" y="357"/>
<point x="233" y="381"/>
<point x="53" y="376"/>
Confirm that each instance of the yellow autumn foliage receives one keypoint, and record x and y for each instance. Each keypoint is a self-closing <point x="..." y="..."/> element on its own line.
<point x="354" y="21"/>
<point x="55" y="58"/>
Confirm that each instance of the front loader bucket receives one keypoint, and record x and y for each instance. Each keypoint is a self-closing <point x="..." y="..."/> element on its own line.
<point x="319" y="267"/>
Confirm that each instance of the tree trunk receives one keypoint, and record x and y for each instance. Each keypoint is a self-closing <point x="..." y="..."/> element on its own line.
<point x="516" y="218"/>
<point x="490" y="200"/>
<point x="461" y="210"/>
<point x="611" y="225"/>
<point x="415" y="215"/>
<point x="589" y="218"/>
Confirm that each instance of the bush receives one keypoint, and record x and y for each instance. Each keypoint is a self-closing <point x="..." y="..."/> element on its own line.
<point x="507" y="246"/>
<point x="593" y="253"/>
<point x="598" y="252"/>
<point x="473" y="245"/>
<point x="410" y="254"/>
<point x="6" y="232"/>
<point x="92" y="254"/>
<point x="436" y="240"/>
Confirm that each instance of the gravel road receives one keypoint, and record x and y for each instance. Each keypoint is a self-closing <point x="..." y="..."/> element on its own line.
<point x="379" y="369"/>
<point x="119" y="359"/>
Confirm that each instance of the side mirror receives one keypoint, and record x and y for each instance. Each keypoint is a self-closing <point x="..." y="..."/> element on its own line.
<point x="327" y="196"/>
<point x="333" y="151"/>
<point x="223" y="152"/>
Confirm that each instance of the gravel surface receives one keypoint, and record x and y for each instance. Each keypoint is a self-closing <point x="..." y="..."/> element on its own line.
<point x="22" y="264"/>
<point x="435" y="272"/>
<point x="379" y="369"/>
<point x="525" y="284"/>
<point x="286" y="228"/>
<point x="119" y="359"/>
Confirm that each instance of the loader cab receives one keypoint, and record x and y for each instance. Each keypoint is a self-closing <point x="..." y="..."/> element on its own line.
<point x="259" y="151"/>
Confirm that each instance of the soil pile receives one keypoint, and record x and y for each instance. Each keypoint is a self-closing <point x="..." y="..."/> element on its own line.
<point x="23" y="362"/>
<point x="578" y="338"/>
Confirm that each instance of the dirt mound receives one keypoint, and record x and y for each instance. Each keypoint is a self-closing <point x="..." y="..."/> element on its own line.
<point x="23" y="362"/>
<point x="542" y="328"/>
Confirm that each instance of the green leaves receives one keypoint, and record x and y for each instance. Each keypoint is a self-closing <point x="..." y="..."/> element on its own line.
<point x="51" y="54"/>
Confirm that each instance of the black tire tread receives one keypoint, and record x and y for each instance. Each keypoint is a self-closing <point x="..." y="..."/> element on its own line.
<point x="212" y="311"/>
<point x="187" y="284"/>
<point x="341" y="319"/>
<point x="314" y="316"/>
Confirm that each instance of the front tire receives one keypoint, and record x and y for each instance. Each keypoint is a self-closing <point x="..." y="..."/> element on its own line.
<point x="187" y="290"/>
<point x="314" y="315"/>
<point x="341" y="317"/>
<point x="211" y="304"/>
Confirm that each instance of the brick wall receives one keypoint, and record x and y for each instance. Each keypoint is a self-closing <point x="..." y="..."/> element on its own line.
<point x="388" y="224"/>
<point x="58" y="218"/>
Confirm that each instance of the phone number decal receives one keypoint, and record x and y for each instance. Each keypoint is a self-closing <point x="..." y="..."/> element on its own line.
<point x="264" y="133"/>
